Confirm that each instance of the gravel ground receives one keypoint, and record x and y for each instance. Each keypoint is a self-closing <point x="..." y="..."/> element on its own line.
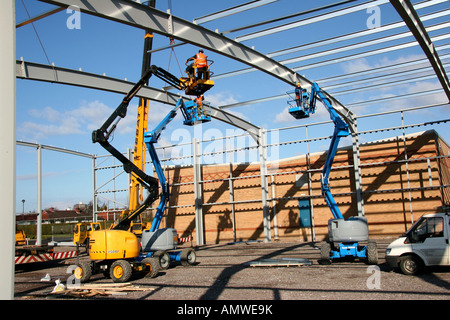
<point x="221" y="274"/>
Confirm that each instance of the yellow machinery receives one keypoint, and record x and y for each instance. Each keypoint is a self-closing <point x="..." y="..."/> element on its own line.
<point x="115" y="253"/>
<point x="21" y="239"/>
<point x="194" y="85"/>
<point x="136" y="194"/>
<point x="113" y="244"/>
<point x="82" y="232"/>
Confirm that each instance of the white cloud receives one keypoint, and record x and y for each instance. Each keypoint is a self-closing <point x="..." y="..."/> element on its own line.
<point x="156" y="113"/>
<point x="363" y="64"/>
<point x="356" y="65"/>
<point x="284" y="116"/>
<point x="87" y="117"/>
<point x="221" y="99"/>
<point x="420" y="100"/>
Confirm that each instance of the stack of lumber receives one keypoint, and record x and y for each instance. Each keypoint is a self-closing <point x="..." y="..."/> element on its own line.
<point x="101" y="289"/>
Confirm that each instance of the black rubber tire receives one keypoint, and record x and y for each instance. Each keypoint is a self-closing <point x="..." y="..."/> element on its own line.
<point x="151" y="267"/>
<point x="411" y="265"/>
<point x="163" y="258"/>
<point x="188" y="257"/>
<point x="83" y="272"/>
<point x="120" y="271"/>
<point x="372" y="252"/>
<point x="325" y="253"/>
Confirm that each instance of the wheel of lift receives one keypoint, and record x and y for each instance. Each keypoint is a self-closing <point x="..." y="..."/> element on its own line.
<point x="151" y="267"/>
<point x="325" y="253"/>
<point x="188" y="257"/>
<point x="120" y="271"/>
<point x="83" y="271"/>
<point x="372" y="252"/>
<point x="163" y="258"/>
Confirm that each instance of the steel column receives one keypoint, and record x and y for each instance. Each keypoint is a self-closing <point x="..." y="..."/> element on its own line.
<point x="199" y="222"/>
<point x="264" y="186"/>
<point x="39" y="196"/>
<point x="8" y="150"/>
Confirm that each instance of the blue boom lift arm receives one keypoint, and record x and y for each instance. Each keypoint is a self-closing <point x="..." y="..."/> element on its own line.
<point x="103" y="134"/>
<point x="346" y="234"/>
<point x="340" y="130"/>
<point x="303" y="105"/>
<point x="191" y="116"/>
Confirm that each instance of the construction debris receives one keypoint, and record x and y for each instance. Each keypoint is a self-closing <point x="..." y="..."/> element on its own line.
<point x="46" y="278"/>
<point x="101" y="289"/>
<point x="281" y="262"/>
<point x="60" y="287"/>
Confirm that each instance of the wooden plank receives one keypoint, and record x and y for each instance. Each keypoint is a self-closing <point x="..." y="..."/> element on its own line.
<point x="281" y="262"/>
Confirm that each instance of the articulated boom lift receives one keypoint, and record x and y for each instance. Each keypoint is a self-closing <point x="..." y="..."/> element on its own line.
<point x="344" y="235"/>
<point x="117" y="252"/>
<point x="102" y="135"/>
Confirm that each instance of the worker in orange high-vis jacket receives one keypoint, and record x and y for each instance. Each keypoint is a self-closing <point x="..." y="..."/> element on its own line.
<point x="200" y="62"/>
<point x="199" y="102"/>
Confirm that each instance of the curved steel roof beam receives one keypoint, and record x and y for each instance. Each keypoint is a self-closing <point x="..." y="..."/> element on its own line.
<point x="46" y="73"/>
<point x="144" y="17"/>
<point x="337" y="40"/>
<point x="406" y="10"/>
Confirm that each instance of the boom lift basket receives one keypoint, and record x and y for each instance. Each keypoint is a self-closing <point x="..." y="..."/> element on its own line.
<point x="194" y="115"/>
<point x="196" y="84"/>
<point x="300" y="107"/>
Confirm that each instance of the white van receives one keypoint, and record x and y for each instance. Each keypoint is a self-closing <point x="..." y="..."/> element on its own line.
<point x="426" y="243"/>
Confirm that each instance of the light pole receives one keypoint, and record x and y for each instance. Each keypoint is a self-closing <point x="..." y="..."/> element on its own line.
<point x="23" y="210"/>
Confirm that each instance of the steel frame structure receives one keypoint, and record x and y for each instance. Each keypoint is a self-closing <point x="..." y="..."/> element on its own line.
<point x="137" y="15"/>
<point x="39" y="148"/>
<point x="406" y="10"/>
<point x="273" y="198"/>
<point x="144" y="17"/>
<point x="134" y="14"/>
<point x="54" y="74"/>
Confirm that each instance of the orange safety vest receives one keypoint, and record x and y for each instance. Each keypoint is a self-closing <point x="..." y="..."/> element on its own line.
<point x="199" y="100"/>
<point x="200" y="60"/>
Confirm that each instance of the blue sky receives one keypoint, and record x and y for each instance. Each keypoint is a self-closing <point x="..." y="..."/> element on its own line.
<point x="65" y="116"/>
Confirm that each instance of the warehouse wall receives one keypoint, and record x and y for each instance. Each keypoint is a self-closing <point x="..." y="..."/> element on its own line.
<point x="395" y="192"/>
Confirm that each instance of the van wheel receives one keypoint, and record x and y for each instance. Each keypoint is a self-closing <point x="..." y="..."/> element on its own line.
<point x="121" y="271"/>
<point x="411" y="265"/>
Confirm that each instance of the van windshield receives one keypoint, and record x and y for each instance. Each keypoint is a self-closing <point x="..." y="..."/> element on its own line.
<point x="431" y="227"/>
